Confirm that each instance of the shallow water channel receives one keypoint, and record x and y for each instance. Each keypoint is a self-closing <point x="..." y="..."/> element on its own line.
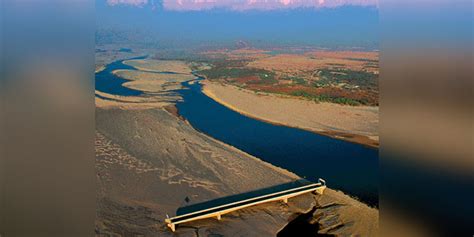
<point x="349" y="167"/>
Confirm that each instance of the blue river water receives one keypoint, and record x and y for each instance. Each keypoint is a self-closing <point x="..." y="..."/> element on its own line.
<point x="345" y="166"/>
<point x="106" y="81"/>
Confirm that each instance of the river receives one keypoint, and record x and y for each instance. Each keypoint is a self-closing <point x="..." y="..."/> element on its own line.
<point x="349" y="167"/>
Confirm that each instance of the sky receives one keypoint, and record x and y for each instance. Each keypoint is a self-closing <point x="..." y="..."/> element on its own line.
<point x="352" y="23"/>
<point x="240" y="5"/>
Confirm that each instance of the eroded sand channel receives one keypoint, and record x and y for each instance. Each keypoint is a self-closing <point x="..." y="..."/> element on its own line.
<point x="149" y="161"/>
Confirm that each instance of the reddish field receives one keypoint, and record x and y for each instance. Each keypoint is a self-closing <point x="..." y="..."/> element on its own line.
<point x="294" y="63"/>
<point x="345" y="54"/>
<point x="315" y="74"/>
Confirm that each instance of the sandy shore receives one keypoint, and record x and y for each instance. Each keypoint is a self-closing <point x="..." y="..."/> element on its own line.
<point x="159" y="65"/>
<point x="149" y="161"/>
<point x="357" y="124"/>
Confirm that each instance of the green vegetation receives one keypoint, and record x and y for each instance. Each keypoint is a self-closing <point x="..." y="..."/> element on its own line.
<point x="218" y="72"/>
<point x="296" y="80"/>
<point x="371" y="65"/>
<point x="362" y="79"/>
<point x="266" y="77"/>
<point x="328" y="98"/>
<point x="363" y="60"/>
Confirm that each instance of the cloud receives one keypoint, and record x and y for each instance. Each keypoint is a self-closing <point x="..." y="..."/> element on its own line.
<point x="136" y="3"/>
<point x="242" y="5"/>
<point x="195" y="5"/>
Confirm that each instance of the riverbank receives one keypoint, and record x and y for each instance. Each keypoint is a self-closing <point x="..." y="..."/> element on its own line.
<point x="151" y="162"/>
<point x="358" y="124"/>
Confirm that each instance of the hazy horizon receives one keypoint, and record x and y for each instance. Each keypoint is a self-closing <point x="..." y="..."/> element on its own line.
<point x="339" y="26"/>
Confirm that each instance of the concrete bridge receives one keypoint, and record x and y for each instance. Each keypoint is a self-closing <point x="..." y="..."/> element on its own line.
<point x="217" y="208"/>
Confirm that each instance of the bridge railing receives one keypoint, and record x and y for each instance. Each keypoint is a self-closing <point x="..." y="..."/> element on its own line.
<point x="219" y="210"/>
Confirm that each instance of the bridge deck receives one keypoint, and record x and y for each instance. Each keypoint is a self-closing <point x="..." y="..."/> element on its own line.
<point x="222" y="206"/>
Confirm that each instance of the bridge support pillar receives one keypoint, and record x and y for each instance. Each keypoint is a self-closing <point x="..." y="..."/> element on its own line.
<point x="320" y="190"/>
<point x="172" y="227"/>
<point x="219" y="217"/>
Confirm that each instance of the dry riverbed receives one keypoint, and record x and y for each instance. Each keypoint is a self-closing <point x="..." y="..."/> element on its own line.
<point x="160" y="65"/>
<point x="149" y="161"/>
<point x="357" y="124"/>
<point x="152" y="82"/>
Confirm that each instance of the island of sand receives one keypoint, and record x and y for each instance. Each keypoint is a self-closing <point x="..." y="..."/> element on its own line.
<point x="150" y="162"/>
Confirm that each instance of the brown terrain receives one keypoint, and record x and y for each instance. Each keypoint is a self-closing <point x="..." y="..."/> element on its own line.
<point x="334" y="93"/>
<point x="357" y="124"/>
<point x="148" y="161"/>
<point x="348" y="77"/>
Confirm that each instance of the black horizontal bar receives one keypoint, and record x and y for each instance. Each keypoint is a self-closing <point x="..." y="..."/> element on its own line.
<point x="178" y="219"/>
